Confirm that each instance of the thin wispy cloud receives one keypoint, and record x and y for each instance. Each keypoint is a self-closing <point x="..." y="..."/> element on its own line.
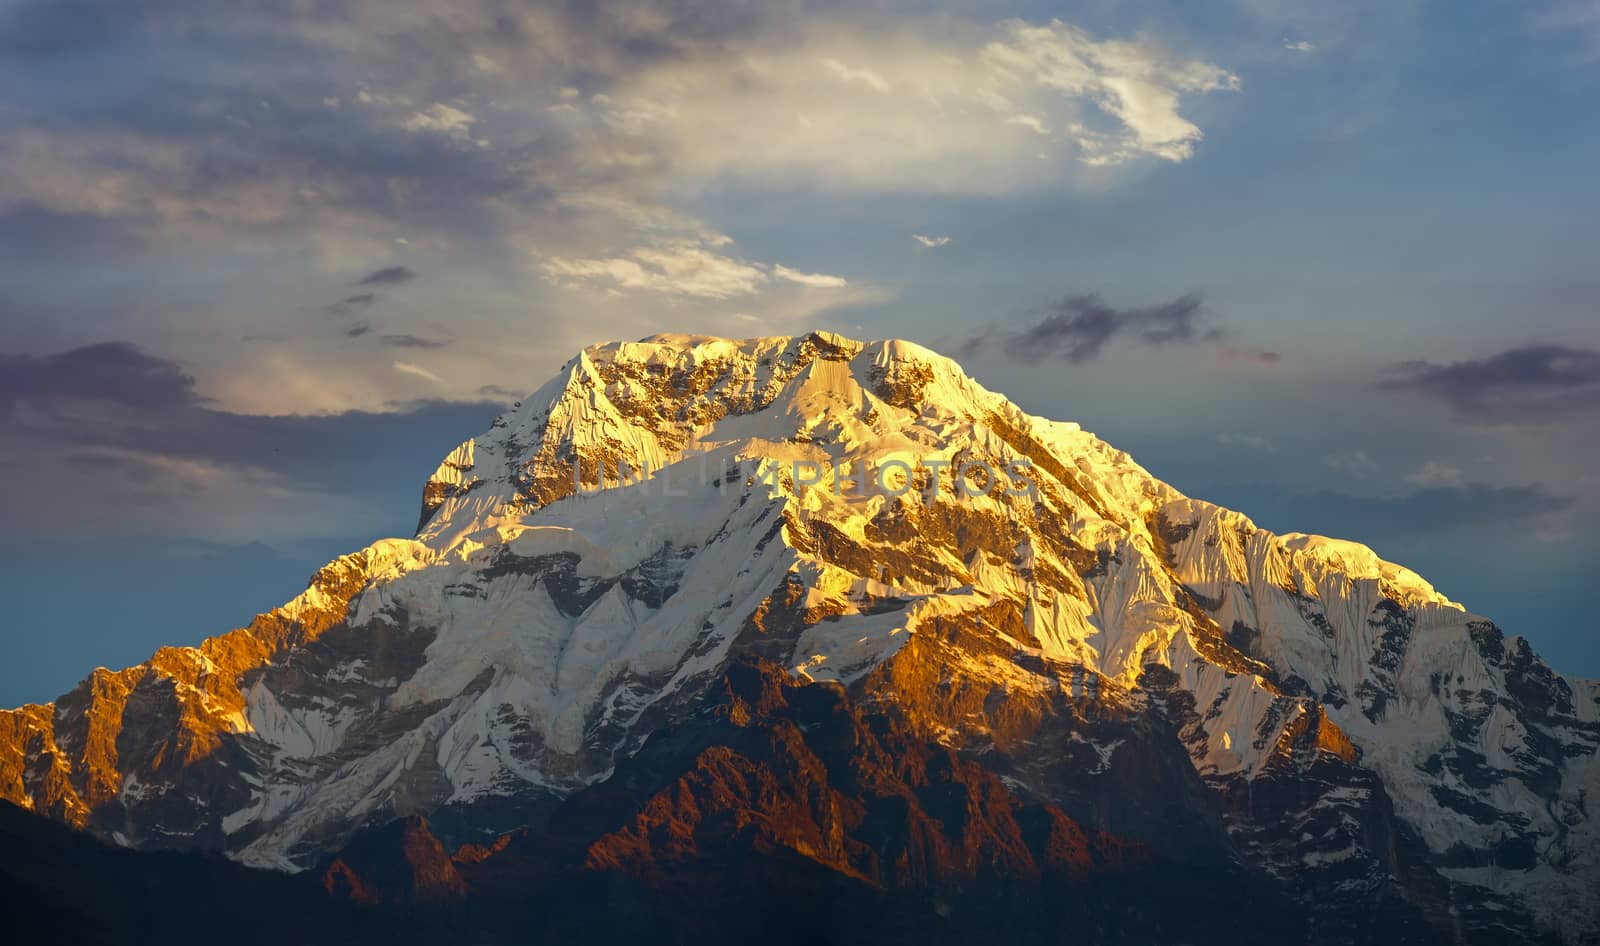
<point x="864" y="76"/>
<point x="1354" y="463"/>
<point x="1434" y="473"/>
<point x="412" y="341"/>
<point x="1254" y="357"/>
<point x="417" y="371"/>
<point x="931" y="242"/>
<point x="681" y="268"/>
<point x="352" y="303"/>
<point x="814" y="280"/>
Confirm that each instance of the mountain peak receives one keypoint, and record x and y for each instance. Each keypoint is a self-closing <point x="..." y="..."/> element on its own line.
<point x="650" y="404"/>
<point x="862" y="515"/>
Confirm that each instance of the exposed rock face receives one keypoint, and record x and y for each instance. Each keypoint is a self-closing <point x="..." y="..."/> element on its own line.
<point x="399" y="864"/>
<point x="111" y="754"/>
<point x="1114" y="655"/>
<point x="787" y="811"/>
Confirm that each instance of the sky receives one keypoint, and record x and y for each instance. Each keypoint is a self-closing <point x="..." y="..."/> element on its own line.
<point x="263" y="264"/>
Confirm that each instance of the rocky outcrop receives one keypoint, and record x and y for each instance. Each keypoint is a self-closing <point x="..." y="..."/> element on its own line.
<point x="788" y="810"/>
<point x="88" y="759"/>
<point x="398" y="864"/>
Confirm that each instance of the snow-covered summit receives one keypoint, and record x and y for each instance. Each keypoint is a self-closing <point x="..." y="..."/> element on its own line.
<point x="584" y="568"/>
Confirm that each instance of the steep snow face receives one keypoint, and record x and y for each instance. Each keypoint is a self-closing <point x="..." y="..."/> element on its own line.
<point x="587" y="565"/>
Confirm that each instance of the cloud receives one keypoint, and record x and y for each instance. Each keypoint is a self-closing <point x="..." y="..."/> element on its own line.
<point x="500" y="392"/>
<point x="113" y="372"/>
<point x="596" y="126"/>
<point x="593" y="126"/>
<point x="1033" y="123"/>
<point x="931" y="242"/>
<point x="417" y="371"/>
<point x="680" y="268"/>
<point x="1354" y="463"/>
<point x="1437" y="474"/>
<point x="351" y="303"/>
<point x="1135" y="83"/>
<point x="413" y="341"/>
<point x="953" y="107"/>
<point x="814" y="280"/>
<point x="1301" y="46"/>
<point x="180" y="161"/>
<point x="388" y="276"/>
<point x="441" y="119"/>
<point x="358" y="330"/>
<point x="1082" y="326"/>
<point x="1530" y="384"/>
<point x="1420" y="513"/>
<point x="865" y="77"/>
<point x="109" y="437"/>
<point x="677" y="269"/>
<point x="1245" y="355"/>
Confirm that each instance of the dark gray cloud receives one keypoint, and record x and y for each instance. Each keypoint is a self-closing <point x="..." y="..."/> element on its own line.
<point x="413" y="341"/>
<point x="358" y="330"/>
<point x="352" y="303"/>
<point x="608" y="32"/>
<point x="1080" y="327"/>
<point x="388" y="276"/>
<point x="226" y="160"/>
<point x="1246" y="355"/>
<point x="115" y="372"/>
<point x="115" y="409"/>
<point x="500" y="392"/>
<point x="1530" y="384"/>
<point x="40" y="235"/>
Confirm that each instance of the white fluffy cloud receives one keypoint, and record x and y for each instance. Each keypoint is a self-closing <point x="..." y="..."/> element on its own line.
<point x="440" y="118"/>
<point x="814" y="280"/>
<point x="990" y="110"/>
<point x="681" y="268"/>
